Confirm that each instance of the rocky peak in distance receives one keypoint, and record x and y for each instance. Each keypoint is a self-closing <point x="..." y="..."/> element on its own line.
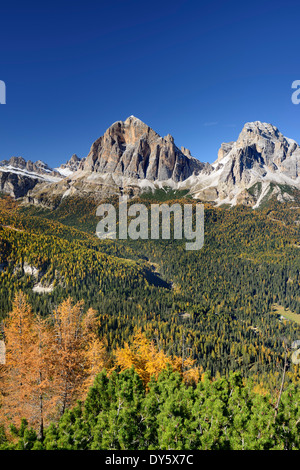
<point x="131" y="157"/>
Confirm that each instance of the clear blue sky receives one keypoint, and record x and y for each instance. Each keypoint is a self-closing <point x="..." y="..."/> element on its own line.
<point x="197" y="70"/>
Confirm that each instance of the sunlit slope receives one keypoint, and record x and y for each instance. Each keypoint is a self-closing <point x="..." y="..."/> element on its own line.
<point x="214" y="303"/>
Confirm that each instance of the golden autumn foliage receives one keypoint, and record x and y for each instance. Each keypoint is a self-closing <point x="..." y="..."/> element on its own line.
<point x="21" y="381"/>
<point x="50" y="363"/>
<point x="148" y="361"/>
<point x="79" y="353"/>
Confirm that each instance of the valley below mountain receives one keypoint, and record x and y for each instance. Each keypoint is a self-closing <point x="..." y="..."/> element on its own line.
<point x="225" y="316"/>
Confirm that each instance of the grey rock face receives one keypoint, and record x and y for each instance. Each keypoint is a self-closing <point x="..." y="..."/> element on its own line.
<point x="276" y="151"/>
<point x="132" y="149"/>
<point x="19" y="163"/>
<point x="224" y="150"/>
<point x="72" y="164"/>
<point x="16" y="185"/>
<point x="130" y="156"/>
<point x="260" y="154"/>
<point x="18" y="176"/>
<point x="129" y="153"/>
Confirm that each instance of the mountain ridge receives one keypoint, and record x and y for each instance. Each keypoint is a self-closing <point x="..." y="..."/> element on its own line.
<point x="130" y="157"/>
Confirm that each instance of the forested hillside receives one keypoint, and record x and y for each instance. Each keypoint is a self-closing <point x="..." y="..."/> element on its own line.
<point x="215" y="310"/>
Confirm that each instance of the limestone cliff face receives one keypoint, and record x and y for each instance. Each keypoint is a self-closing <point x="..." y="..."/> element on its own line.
<point x="16" y="185"/>
<point x="130" y="157"/>
<point x="260" y="154"/>
<point x="126" y="159"/>
<point x="132" y="149"/>
<point x="270" y="146"/>
<point x="19" y="163"/>
<point x="261" y="148"/>
<point x="72" y="165"/>
<point x="18" y="176"/>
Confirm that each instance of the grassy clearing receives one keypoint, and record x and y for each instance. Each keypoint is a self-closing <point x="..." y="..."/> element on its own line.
<point x="286" y="313"/>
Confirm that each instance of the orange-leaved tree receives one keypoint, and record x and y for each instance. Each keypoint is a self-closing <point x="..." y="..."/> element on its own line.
<point x="149" y="361"/>
<point x="25" y="378"/>
<point x="79" y="353"/>
<point x="50" y="363"/>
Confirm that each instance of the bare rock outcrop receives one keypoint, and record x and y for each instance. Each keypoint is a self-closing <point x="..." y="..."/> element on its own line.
<point x="131" y="157"/>
<point x="16" y="185"/>
<point x="132" y="149"/>
<point x="260" y="154"/>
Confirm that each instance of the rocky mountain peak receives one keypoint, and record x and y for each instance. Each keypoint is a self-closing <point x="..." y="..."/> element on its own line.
<point x="74" y="158"/>
<point x="131" y="157"/>
<point x="132" y="120"/>
<point x="132" y="149"/>
<point x="265" y="129"/>
<point x="185" y="151"/>
<point x="262" y="134"/>
<point x="18" y="176"/>
<point x="71" y="166"/>
<point x="264" y="143"/>
<point x="16" y="162"/>
<point x="19" y="163"/>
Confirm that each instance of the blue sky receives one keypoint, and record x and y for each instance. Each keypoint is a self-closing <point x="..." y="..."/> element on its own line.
<point x="197" y="70"/>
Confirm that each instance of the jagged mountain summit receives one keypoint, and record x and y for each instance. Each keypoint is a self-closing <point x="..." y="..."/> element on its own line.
<point x="18" y="176"/>
<point x="72" y="165"/>
<point x="130" y="157"/>
<point x="134" y="150"/>
<point x="260" y="164"/>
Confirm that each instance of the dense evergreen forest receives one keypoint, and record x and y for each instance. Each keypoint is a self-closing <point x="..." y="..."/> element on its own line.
<point x="119" y="414"/>
<point x="232" y="308"/>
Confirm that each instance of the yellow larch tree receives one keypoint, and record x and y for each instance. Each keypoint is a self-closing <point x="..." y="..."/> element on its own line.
<point x="79" y="354"/>
<point x="50" y="363"/>
<point x="148" y="361"/>
<point x="24" y="388"/>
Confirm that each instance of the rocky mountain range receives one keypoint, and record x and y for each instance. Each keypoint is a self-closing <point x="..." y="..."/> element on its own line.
<point x="131" y="157"/>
